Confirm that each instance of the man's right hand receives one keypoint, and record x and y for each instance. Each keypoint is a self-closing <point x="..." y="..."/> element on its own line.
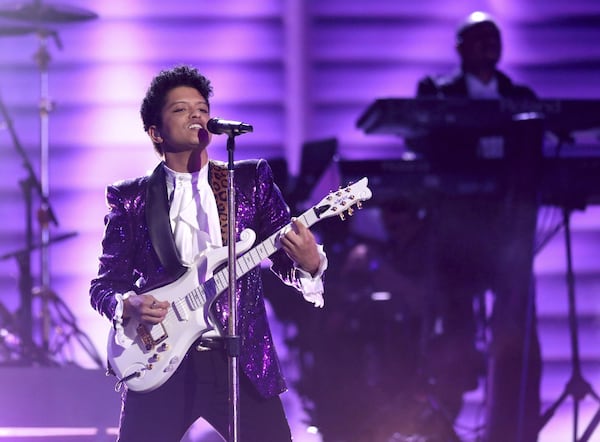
<point x="145" y="309"/>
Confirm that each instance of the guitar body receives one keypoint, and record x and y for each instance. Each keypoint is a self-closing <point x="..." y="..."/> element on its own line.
<point x="152" y="353"/>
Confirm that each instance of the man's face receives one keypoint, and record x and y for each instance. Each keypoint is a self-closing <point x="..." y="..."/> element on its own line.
<point x="184" y="118"/>
<point x="481" y="46"/>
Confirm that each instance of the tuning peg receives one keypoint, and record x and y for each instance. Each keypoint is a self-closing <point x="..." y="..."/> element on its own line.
<point x="342" y="216"/>
<point x="359" y="205"/>
<point x="350" y="211"/>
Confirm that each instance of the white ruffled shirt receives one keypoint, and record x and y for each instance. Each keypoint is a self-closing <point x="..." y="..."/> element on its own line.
<point x="193" y="213"/>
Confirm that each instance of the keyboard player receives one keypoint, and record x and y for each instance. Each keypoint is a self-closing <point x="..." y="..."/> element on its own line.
<point x="486" y="244"/>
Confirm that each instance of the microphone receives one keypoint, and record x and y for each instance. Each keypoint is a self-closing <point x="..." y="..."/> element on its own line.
<point x="219" y="126"/>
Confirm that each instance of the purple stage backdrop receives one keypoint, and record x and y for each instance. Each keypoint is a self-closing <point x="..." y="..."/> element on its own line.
<point x="299" y="71"/>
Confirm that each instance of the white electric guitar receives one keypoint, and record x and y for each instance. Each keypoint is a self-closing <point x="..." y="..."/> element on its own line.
<point x="153" y="353"/>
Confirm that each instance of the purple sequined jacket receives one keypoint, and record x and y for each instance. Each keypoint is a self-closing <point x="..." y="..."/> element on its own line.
<point x="139" y="254"/>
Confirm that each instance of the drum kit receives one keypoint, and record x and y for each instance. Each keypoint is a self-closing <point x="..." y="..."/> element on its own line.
<point x="17" y="341"/>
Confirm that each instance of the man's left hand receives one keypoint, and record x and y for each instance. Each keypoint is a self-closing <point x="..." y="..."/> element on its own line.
<point x="300" y="245"/>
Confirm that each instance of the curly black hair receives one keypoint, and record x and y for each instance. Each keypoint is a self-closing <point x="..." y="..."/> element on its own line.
<point x="165" y="81"/>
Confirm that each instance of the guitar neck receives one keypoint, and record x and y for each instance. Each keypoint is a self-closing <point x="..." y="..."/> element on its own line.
<point x="260" y="252"/>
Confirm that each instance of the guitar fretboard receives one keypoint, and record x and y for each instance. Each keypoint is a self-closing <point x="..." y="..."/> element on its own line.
<point x="260" y="252"/>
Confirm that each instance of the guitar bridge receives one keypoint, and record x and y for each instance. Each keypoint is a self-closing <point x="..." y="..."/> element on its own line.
<point x="146" y="336"/>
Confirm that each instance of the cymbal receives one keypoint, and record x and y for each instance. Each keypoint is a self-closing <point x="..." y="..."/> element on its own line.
<point x="39" y="12"/>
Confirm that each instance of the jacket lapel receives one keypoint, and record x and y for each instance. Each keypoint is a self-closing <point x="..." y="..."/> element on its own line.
<point x="157" y="219"/>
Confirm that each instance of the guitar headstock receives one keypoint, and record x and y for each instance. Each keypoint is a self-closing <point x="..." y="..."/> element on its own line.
<point x="344" y="200"/>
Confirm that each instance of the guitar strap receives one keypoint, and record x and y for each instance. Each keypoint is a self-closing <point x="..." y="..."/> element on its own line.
<point x="218" y="182"/>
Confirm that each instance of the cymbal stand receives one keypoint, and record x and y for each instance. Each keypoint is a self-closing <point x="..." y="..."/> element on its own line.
<point x="62" y="317"/>
<point x="45" y="215"/>
<point x="577" y="387"/>
<point x="29" y="350"/>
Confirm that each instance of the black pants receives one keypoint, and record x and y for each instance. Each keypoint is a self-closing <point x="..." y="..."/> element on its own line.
<point x="200" y="388"/>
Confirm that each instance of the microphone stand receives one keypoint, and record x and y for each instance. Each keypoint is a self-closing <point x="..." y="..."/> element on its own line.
<point x="577" y="386"/>
<point x="232" y="340"/>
